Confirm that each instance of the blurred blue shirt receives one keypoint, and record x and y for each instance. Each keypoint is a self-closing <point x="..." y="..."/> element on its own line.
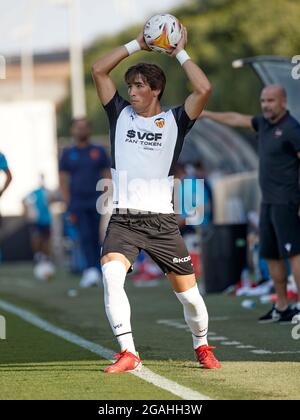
<point x="84" y="165"/>
<point x="37" y="204"/>
<point x="191" y="197"/>
<point x="3" y="162"/>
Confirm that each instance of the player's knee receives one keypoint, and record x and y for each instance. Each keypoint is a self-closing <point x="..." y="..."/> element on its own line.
<point x="192" y="301"/>
<point x="190" y="296"/>
<point x="106" y="258"/>
<point x="114" y="273"/>
<point x="114" y="256"/>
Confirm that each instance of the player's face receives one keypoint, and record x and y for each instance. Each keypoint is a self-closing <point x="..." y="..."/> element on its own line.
<point x="81" y="130"/>
<point x="273" y="103"/>
<point x="141" y="96"/>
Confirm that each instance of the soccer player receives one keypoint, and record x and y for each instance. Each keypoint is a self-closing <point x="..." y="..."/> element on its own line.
<point x="5" y="169"/>
<point x="145" y="145"/>
<point x="279" y="153"/>
<point x="81" y="166"/>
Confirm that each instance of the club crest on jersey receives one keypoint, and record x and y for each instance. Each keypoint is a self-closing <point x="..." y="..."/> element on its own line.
<point x="95" y="154"/>
<point x="160" y="122"/>
<point x="278" y="133"/>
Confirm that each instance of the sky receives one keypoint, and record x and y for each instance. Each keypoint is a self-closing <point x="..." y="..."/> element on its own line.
<point x="46" y="22"/>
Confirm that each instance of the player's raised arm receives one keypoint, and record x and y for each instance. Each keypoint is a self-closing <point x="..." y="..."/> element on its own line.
<point x="196" y="101"/>
<point x="104" y="65"/>
<point x="233" y="119"/>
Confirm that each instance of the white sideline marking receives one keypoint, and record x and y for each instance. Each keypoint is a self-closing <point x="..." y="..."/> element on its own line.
<point x="180" y="325"/>
<point x="218" y="338"/>
<point x="223" y="340"/>
<point x="173" y="323"/>
<point x="275" y="352"/>
<point x="145" y="374"/>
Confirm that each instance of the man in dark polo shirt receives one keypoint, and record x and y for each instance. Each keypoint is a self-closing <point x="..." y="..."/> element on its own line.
<point x="279" y="153"/>
<point x="80" y="168"/>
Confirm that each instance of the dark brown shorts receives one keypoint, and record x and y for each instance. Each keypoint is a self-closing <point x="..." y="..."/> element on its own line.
<point x="156" y="234"/>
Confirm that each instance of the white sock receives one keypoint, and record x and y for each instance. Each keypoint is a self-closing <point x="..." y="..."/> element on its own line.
<point x="195" y="314"/>
<point x="117" y="306"/>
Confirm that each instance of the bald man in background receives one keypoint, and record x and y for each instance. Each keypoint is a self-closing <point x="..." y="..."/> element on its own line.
<point x="279" y="153"/>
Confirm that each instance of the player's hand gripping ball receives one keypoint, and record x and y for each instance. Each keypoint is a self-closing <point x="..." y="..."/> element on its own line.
<point x="162" y="33"/>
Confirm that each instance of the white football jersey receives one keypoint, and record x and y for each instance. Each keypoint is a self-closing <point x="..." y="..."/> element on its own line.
<point x="144" y="153"/>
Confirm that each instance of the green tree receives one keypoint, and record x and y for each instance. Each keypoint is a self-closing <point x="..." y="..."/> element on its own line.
<point x="219" y="31"/>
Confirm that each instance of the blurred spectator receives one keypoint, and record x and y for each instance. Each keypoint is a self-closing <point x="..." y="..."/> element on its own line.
<point x="278" y="135"/>
<point x="81" y="166"/>
<point x="5" y="169"/>
<point x="73" y="256"/>
<point x="199" y="173"/>
<point x="191" y="201"/>
<point x="257" y="263"/>
<point x="37" y="212"/>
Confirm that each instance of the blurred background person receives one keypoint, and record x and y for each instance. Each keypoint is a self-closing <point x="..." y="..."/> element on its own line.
<point x="278" y="135"/>
<point x="37" y="212"/>
<point x="80" y="168"/>
<point x="258" y="264"/>
<point x="5" y="169"/>
<point x="196" y="203"/>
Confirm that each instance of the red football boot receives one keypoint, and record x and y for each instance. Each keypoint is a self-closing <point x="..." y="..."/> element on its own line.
<point x="127" y="362"/>
<point x="206" y="357"/>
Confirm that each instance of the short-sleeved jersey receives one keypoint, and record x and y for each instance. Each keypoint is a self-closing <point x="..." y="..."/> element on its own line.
<point x="84" y="164"/>
<point x="278" y="145"/>
<point x="144" y="154"/>
<point x="3" y="162"/>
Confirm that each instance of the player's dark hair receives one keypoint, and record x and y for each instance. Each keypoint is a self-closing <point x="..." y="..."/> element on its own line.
<point x="150" y="73"/>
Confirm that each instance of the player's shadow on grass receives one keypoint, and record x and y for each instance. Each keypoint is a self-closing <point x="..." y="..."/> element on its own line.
<point x="99" y="365"/>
